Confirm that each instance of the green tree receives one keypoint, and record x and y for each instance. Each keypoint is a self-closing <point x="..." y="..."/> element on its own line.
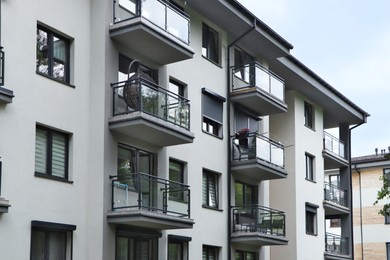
<point x="384" y="194"/>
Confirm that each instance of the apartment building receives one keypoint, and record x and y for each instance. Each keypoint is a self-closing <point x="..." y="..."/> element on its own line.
<point x="371" y="230"/>
<point x="150" y="129"/>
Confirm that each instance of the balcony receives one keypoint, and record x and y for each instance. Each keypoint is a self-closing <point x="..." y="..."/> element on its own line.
<point x="334" y="152"/>
<point x="336" y="247"/>
<point x="153" y="28"/>
<point x="257" y="157"/>
<point x="335" y="200"/>
<point x="258" y="226"/>
<point x="258" y="89"/>
<point x="144" y="111"/>
<point x="148" y="201"/>
<point x="6" y="95"/>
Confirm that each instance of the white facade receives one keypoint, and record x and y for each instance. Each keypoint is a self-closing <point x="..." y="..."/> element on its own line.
<point x="246" y="201"/>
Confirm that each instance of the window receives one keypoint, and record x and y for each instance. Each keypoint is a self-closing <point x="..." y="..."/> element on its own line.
<point x="245" y="194"/>
<point x="51" y="153"/>
<point x="210" y="44"/>
<point x="210" y="253"/>
<point x="210" y="189"/>
<point x="51" y="241"/>
<point x="311" y="219"/>
<point x="242" y="61"/>
<point x="176" y="174"/>
<point x="244" y="119"/>
<point x="309" y="115"/>
<point x="244" y="255"/>
<point x="178" y="247"/>
<point x="335" y="223"/>
<point x="212" y="105"/>
<point x="52" y="54"/>
<point x="388" y="250"/>
<point x="140" y="245"/>
<point x="334" y="179"/>
<point x="309" y="167"/>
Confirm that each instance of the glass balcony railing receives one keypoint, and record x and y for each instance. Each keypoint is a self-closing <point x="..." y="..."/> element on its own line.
<point x="336" y="244"/>
<point x="141" y="191"/>
<point x="255" y="75"/>
<point x="1" y="66"/>
<point x="335" y="194"/>
<point x="160" y="13"/>
<point x="253" y="145"/>
<point x="259" y="219"/>
<point x="139" y="94"/>
<point x="334" y="145"/>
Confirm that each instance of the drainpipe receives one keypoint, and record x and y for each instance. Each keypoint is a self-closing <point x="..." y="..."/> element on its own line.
<point x="361" y="210"/>
<point x="229" y="182"/>
<point x="350" y="174"/>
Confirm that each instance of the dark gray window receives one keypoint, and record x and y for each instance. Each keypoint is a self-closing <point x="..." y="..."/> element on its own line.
<point x="210" y="43"/>
<point x="52" y="54"/>
<point x="245" y="255"/>
<point x="245" y="194"/>
<point x="309" y="115"/>
<point x="210" y="253"/>
<point x="311" y="219"/>
<point x="178" y="247"/>
<point x="309" y="167"/>
<point x="142" y="245"/>
<point x="212" y="106"/>
<point x="176" y="175"/>
<point x="51" y="153"/>
<point x="210" y="189"/>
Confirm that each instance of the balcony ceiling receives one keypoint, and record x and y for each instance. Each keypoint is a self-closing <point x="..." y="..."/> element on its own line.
<point x="332" y="161"/>
<point x="257" y="239"/>
<point x="333" y="209"/>
<point x="258" y="170"/>
<point x="236" y="20"/>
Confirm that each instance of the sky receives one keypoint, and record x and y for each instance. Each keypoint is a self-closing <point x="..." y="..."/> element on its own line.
<point x="346" y="43"/>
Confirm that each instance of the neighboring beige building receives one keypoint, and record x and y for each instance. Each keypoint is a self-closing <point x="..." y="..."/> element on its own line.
<point x="166" y="129"/>
<point x="371" y="230"/>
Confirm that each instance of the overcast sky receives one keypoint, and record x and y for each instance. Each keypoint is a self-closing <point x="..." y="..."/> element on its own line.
<point x="347" y="43"/>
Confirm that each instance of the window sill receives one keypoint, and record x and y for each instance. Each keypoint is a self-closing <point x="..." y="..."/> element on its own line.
<point x="313" y="181"/>
<point x="311" y="128"/>
<point x="56" y="80"/>
<point x="312" y="234"/>
<point x="54" y="178"/>
<point x="208" y="207"/>
<point x="213" y="62"/>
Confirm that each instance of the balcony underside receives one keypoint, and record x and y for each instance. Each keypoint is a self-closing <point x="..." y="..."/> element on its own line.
<point x="258" y="170"/>
<point x="149" y="219"/>
<point x="4" y="205"/>
<point x="333" y="161"/>
<point x="258" y="101"/>
<point x="332" y="209"/>
<point x="257" y="239"/>
<point x="332" y="256"/>
<point x="150" y="129"/>
<point x="6" y="95"/>
<point x="144" y="37"/>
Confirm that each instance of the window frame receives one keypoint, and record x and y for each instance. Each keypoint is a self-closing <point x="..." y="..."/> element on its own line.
<point x="49" y="156"/>
<point x="182" y="242"/>
<point x="50" y="228"/>
<point x="210" y="174"/>
<point x="310" y="167"/>
<point x="253" y="192"/>
<point x="207" y="52"/>
<point x="243" y="254"/>
<point x="210" y="124"/>
<point x="182" y="168"/>
<point x="50" y="56"/>
<point x="210" y="249"/>
<point x="309" y="115"/>
<point x="311" y="219"/>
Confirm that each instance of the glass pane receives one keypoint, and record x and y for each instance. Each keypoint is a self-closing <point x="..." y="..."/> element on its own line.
<point x="177" y="25"/>
<point x="239" y="194"/>
<point x="40" y="151"/>
<point x="37" y="245"/>
<point x="59" y="156"/>
<point x="262" y="79"/>
<point x="145" y="250"/>
<point x="175" y="251"/>
<point x="59" y="58"/>
<point x="204" y="189"/>
<point x="42" y="52"/>
<point x="154" y="11"/>
<point x="122" y="250"/>
<point x="212" y="191"/>
<point x="129" y="5"/>
<point x="145" y="162"/>
<point x="57" y="245"/>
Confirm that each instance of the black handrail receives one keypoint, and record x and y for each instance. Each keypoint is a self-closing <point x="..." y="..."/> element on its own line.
<point x="2" y="55"/>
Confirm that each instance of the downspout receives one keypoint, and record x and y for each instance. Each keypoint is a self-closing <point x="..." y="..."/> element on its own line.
<point x="350" y="175"/>
<point x="229" y="182"/>
<point x="361" y="210"/>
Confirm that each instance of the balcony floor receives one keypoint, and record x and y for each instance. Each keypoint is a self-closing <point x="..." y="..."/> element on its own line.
<point x="333" y="161"/>
<point x="150" y="129"/>
<point x="149" y="219"/>
<point x="258" y="170"/>
<point x="257" y="239"/>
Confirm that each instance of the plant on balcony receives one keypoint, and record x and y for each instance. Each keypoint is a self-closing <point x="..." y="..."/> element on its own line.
<point x="242" y="136"/>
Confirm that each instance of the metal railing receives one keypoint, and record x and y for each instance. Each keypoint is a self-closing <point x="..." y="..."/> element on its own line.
<point x="1" y="66"/>
<point x="142" y="95"/>
<point x="160" y="13"/>
<point x="258" y="218"/>
<point x="336" y="244"/>
<point x="253" y="145"/>
<point x="335" y="194"/>
<point x="147" y="192"/>
<point x="334" y="145"/>
<point x="255" y="75"/>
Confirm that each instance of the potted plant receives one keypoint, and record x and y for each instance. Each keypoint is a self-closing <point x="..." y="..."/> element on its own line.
<point x="242" y="136"/>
